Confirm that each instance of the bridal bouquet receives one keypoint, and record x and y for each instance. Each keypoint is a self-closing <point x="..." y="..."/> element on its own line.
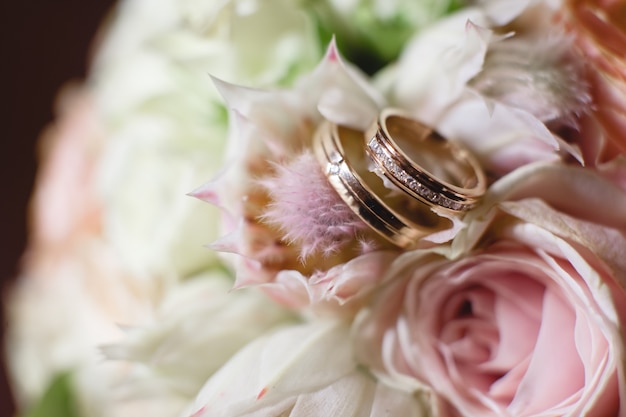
<point x="415" y="208"/>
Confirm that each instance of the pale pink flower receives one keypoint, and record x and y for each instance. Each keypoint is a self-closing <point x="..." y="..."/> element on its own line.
<point x="65" y="203"/>
<point x="344" y="288"/>
<point x="525" y="318"/>
<point x="307" y="210"/>
<point x="539" y="74"/>
<point x="481" y="77"/>
<point x="72" y="290"/>
<point x="282" y="217"/>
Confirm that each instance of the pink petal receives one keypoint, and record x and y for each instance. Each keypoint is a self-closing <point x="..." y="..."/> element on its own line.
<point x="545" y="385"/>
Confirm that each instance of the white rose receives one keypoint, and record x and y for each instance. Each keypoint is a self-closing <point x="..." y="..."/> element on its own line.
<point x="256" y="42"/>
<point x="146" y="172"/>
<point x="165" y="122"/>
<point x="149" y="50"/>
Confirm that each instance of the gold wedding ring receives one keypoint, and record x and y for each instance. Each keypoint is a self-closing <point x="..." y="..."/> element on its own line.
<point x="423" y="164"/>
<point x="400" y="220"/>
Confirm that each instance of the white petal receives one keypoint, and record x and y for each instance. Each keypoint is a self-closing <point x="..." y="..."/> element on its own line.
<point x="295" y="360"/>
<point x="199" y="326"/>
<point x="501" y="12"/>
<point x="436" y="65"/>
<point x="490" y="131"/>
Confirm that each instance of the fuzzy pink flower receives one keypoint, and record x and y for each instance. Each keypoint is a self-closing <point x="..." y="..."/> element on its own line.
<point x="307" y="210"/>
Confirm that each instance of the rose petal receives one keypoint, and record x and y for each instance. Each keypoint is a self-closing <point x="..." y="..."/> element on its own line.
<point x="544" y="383"/>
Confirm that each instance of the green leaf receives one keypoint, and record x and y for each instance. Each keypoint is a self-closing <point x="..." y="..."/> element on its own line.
<point x="365" y="38"/>
<point x="57" y="401"/>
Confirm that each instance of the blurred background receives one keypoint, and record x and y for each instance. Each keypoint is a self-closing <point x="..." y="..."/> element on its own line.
<point x="45" y="44"/>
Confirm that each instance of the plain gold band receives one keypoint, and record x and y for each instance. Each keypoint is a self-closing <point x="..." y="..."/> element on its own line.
<point x="400" y="222"/>
<point x="411" y="177"/>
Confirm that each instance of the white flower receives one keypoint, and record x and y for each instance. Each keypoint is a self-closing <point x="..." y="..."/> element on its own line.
<point x="302" y="370"/>
<point x="146" y="172"/>
<point x="436" y="64"/>
<point x="255" y="42"/>
<point x="197" y="328"/>
<point x="148" y="50"/>
<point x="166" y="124"/>
<point x="155" y="358"/>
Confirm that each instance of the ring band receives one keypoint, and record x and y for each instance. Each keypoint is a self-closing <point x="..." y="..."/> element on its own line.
<point x="397" y="219"/>
<point x="459" y="181"/>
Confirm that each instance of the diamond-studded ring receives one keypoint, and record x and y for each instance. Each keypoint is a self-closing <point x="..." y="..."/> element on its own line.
<point x="424" y="164"/>
<point x="398" y="219"/>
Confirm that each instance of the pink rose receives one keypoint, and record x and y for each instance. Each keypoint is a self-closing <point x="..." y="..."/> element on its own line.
<point x="65" y="204"/>
<point x="526" y="323"/>
<point x="72" y="292"/>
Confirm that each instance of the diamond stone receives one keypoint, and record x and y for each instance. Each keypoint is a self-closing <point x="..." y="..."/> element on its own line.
<point x="333" y="169"/>
<point x="380" y="153"/>
<point x="455" y="206"/>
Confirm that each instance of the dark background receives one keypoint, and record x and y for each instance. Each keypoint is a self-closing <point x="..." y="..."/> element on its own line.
<point x="44" y="44"/>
